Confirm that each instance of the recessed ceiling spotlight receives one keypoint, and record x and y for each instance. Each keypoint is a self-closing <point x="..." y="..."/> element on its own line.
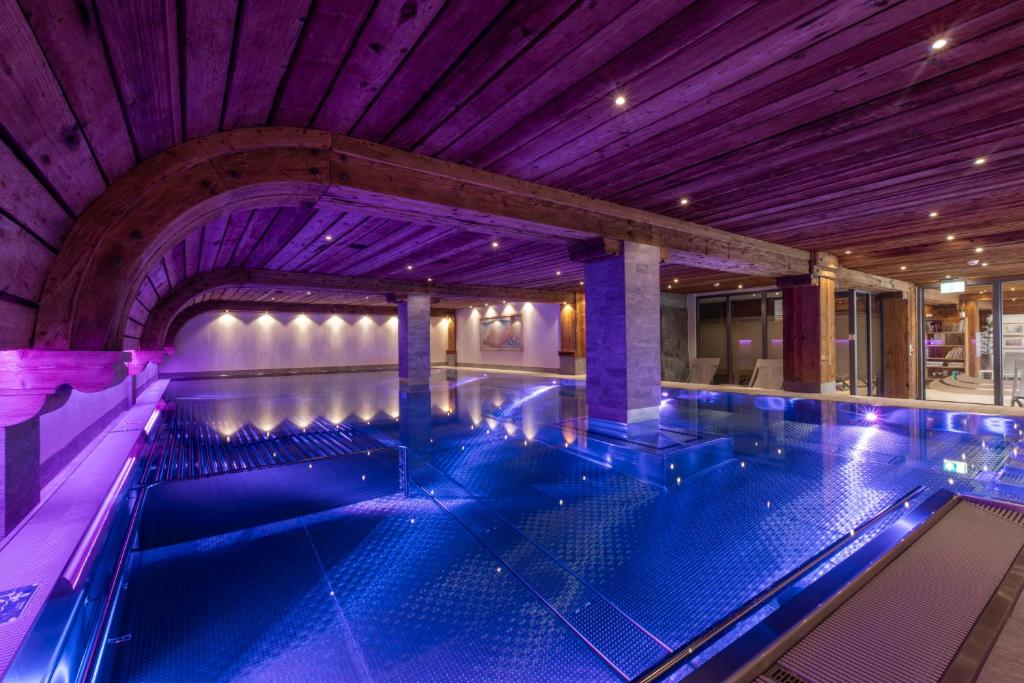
<point x="973" y="262"/>
<point x="581" y="282"/>
<point x="933" y="214"/>
<point x="558" y="272"/>
<point x="328" y="238"/>
<point x="409" y="267"/>
<point x="430" y="279"/>
<point x="684" y="201"/>
<point x="984" y="264"/>
<point x="903" y="267"/>
<point x="670" y="286"/>
<point x="739" y="286"/>
<point x="676" y="280"/>
<point x="718" y="284"/>
<point x="948" y="276"/>
<point x="494" y="244"/>
<point x="940" y="43"/>
<point x="980" y="161"/>
<point x="978" y="250"/>
<point x="620" y="100"/>
<point x="950" y="238"/>
<point x="847" y="251"/>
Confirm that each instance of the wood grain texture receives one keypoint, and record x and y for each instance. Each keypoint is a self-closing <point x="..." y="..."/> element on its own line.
<point x="69" y="35"/>
<point x="819" y="126"/>
<point x="89" y="293"/>
<point x="37" y="116"/>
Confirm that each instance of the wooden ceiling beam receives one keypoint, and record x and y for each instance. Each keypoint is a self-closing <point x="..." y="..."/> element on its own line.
<point x="132" y="226"/>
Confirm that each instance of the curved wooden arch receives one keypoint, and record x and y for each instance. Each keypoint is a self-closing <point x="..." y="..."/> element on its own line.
<point x="159" y="329"/>
<point x="126" y="230"/>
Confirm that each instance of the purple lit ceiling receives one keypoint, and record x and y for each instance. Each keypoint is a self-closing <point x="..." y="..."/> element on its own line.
<point x="827" y="126"/>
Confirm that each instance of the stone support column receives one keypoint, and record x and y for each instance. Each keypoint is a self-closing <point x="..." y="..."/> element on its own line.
<point x="623" y="339"/>
<point x="414" y="339"/>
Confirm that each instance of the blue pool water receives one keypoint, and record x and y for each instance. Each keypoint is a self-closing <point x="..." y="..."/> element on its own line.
<point x="508" y="544"/>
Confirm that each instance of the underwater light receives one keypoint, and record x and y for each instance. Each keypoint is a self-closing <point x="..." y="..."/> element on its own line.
<point x="871" y="416"/>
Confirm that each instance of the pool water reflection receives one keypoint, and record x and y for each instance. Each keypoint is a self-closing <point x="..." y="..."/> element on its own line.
<point x="526" y="548"/>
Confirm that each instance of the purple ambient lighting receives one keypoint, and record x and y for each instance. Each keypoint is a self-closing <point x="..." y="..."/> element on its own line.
<point x="80" y="558"/>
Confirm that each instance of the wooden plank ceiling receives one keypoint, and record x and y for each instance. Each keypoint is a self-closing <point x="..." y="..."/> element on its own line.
<point x="821" y="125"/>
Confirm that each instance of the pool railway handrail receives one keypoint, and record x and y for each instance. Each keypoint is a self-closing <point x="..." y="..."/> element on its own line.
<point x="756" y="650"/>
<point x="692" y="648"/>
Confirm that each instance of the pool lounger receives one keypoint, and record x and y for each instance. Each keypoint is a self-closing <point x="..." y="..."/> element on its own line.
<point x="932" y="607"/>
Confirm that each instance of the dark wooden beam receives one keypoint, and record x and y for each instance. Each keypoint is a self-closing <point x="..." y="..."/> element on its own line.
<point x="140" y="217"/>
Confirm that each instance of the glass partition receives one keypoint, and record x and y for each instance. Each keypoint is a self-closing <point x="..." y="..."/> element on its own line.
<point x="739" y="329"/>
<point x="747" y="335"/>
<point x="713" y="334"/>
<point x="959" y="332"/>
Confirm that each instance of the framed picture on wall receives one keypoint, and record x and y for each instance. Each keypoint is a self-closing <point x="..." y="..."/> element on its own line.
<point x="502" y="333"/>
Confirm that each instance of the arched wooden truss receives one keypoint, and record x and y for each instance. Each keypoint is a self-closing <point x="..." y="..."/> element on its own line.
<point x="124" y="232"/>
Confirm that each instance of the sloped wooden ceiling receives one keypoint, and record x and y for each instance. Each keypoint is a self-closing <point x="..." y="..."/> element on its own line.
<point x="821" y="125"/>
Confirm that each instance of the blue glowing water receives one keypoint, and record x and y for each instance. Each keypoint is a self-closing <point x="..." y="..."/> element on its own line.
<point x="526" y="549"/>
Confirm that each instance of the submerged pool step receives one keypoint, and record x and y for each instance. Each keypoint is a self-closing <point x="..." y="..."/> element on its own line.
<point x="186" y="446"/>
<point x="621" y="642"/>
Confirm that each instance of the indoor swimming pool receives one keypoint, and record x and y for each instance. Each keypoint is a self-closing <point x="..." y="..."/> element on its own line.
<point x="335" y="527"/>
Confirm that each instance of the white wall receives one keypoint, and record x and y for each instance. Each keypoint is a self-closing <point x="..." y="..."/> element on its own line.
<point x="540" y="336"/>
<point x="251" y="340"/>
<point x="60" y="427"/>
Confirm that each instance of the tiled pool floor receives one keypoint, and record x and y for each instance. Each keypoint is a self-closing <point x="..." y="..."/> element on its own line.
<point x="521" y="553"/>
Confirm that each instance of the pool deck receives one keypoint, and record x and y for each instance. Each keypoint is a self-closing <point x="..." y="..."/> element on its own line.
<point x="38" y="551"/>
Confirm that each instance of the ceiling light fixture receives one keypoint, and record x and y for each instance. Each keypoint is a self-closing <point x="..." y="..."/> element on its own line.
<point x="328" y="238"/>
<point x="847" y="252"/>
<point x="684" y="201"/>
<point x="933" y="214"/>
<point x="739" y="286"/>
<point x="409" y="267"/>
<point x="984" y="264"/>
<point x="978" y="250"/>
<point x="558" y="272"/>
<point x="940" y="43"/>
<point x="903" y="267"/>
<point x="950" y="238"/>
<point x="620" y="100"/>
<point x="980" y="161"/>
<point x="494" y="244"/>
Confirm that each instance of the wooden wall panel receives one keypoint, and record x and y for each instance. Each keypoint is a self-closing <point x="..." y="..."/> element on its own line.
<point x="16" y="323"/>
<point x="36" y="114"/>
<point x="209" y="33"/>
<point x="143" y="45"/>
<point x="24" y="261"/>
<point x="70" y="36"/>
<point x="266" y="37"/>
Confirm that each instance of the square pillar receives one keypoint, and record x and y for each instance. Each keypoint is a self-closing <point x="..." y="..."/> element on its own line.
<point x="623" y="334"/>
<point x="414" y="339"/>
<point x="808" y="331"/>
<point x="19" y="472"/>
<point x="572" y="352"/>
<point x="451" y="356"/>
